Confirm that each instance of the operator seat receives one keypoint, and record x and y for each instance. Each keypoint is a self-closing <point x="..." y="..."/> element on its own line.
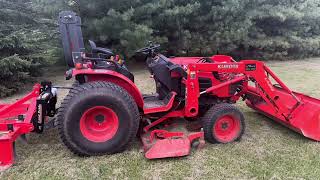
<point x="100" y="50"/>
<point x="72" y="41"/>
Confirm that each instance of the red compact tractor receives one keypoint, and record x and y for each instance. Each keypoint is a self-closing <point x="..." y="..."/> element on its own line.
<point x="104" y="110"/>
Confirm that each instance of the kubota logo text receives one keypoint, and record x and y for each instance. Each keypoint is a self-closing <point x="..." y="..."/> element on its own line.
<point x="228" y="66"/>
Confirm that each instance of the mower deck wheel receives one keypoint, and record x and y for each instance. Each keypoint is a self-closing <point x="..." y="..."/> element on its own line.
<point x="223" y="123"/>
<point x="98" y="118"/>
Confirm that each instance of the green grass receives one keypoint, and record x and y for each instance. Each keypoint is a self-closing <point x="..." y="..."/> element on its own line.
<point x="267" y="149"/>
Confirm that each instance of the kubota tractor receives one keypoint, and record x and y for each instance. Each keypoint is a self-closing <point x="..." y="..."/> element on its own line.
<point x="104" y="110"/>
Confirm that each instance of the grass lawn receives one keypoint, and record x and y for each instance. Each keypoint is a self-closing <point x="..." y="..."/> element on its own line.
<point x="267" y="149"/>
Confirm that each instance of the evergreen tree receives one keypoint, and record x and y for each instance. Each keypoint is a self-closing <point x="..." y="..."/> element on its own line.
<point x="247" y="28"/>
<point x="263" y="29"/>
<point x="25" y="38"/>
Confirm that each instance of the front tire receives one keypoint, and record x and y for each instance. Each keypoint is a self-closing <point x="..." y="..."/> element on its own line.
<point x="98" y="118"/>
<point x="223" y="123"/>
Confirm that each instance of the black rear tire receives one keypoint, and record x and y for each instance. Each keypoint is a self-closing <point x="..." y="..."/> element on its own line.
<point x="223" y="123"/>
<point x="94" y="95"/>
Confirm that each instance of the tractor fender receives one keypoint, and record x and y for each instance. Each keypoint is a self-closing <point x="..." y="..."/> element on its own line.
<point x="114" y="77"/>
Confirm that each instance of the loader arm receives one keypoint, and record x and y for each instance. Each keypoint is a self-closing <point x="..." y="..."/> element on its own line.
<point x="256" y="72"/>
<point x="265" y="93"/>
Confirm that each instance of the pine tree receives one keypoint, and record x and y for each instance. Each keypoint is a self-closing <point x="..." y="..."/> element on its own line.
<point x="264" y="29"/>
<point x="24" y="37"/>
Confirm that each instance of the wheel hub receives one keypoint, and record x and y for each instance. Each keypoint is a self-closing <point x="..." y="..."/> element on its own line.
<point x="95" y="126"/>
<point x="226" y="128"/>
<point x="224" y="125"/>
<point x="100" y="118"/>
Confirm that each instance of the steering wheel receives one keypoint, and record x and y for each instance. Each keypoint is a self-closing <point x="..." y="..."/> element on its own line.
<point x="149" y="49"/>
<point x="148" y="53"/>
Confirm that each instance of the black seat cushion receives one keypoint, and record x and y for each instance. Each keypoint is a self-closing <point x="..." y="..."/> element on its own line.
<point x="105" y="51"/>
<point x="97" y="50"/>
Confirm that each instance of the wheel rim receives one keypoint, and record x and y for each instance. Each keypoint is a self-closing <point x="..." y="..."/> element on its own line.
<point x="226" y="128"/>
<point x="99" y="124"/>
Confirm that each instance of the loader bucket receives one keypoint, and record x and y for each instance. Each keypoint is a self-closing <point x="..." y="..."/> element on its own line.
<point x="304" y="111"/>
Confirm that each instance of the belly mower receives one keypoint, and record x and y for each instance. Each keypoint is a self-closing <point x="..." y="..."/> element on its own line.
<point x="105" y="110"/>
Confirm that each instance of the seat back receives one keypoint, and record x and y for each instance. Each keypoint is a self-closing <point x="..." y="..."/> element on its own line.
<point x="71" y="35"/>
